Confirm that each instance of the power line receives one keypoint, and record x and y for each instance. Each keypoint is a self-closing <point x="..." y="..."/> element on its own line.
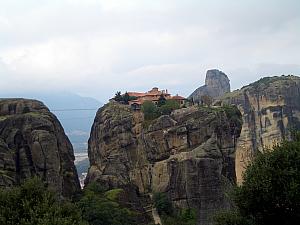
<point x="76" y="118"/>
<point x="63" y="110"/>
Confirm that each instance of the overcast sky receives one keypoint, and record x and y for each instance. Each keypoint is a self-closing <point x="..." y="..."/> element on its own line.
<point x="96" y="47"/>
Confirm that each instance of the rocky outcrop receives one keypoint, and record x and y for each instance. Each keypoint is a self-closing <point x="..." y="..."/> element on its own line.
<point x="216" y="85"/>
<point x="270" y="109"/>
<point x="189" y="155"/>
<point x="33" y="143"/>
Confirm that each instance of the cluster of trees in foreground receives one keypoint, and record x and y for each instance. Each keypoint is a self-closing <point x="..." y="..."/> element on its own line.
<point x="269" y="195"/>
<point x="32" y="203"/>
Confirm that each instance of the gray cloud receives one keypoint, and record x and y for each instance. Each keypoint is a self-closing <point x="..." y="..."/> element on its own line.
<point x="96" y="47"/>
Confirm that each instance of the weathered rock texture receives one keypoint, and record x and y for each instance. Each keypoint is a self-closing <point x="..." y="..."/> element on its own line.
<point x="270" y="109"/>
<point x="216" y="85"/>
<point x="33" y="143"/>
<point x="188" y="155"/>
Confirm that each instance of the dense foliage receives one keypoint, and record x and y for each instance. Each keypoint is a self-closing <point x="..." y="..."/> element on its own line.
<point x="170" y="215"/>
<point x="101" y="208"/>
<point x="152" y="111"/>
<point x="32" y="203"/>
<point x="270" y="193"/>
<point x="181" y="217"/>
<point x="162" y="203"/>
<point x="124" y="99"/>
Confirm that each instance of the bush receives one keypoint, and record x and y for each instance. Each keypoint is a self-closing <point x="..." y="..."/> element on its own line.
<point x="150" y="110"/>
<point x="31" y="203"/>
<point x="168" y="107"/>
<point x="101" y="208"/>
<point x="270" y="193"/>
<point x="162" y="204"/>
<point x="181" y="217"/>
<point x="161" y="101"/>
<point x="171" y="216"/>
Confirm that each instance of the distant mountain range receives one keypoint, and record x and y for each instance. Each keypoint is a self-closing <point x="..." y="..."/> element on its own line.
<point x="76" y="113"/>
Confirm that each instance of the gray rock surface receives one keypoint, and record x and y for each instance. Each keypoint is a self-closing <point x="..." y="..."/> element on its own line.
<point x="216" y="85"/>
<point x="33" y="143"/>
<point x="189" y="155"/>
<point x="270" y="109"/>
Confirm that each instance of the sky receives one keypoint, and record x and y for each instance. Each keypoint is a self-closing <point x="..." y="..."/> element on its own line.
<point x="98" y="47"/>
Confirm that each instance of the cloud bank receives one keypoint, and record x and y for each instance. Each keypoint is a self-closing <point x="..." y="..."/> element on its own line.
<point x="96" y="47"/>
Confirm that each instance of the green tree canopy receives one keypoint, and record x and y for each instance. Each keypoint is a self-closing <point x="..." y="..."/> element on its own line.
<point x="150" y="110"/>
<point x="270" y="193"/>
<point x="101" y="208"/>
<point x="31" y="203"/>
<point x="118" y="96"/>
<point x="169" y="106"/>
<point x="126" y="98"/>
<point x="161" y="101"/>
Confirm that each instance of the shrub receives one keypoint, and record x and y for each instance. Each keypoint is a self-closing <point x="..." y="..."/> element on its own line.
<point x="270" y="193"/>
<point x="181" y="217"/>
<point x="162" y="204"/>
<point x="150" y="110"/>
<point x="31" y="203"/>
<point x="168" y="107"/>
<point x="161" y="101"/>
<point x="100" y="207"/>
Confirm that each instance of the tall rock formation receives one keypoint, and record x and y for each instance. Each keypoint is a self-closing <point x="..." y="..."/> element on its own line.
<point x="270" y="109"/>
<point x="216" y="85"/>
<point x="33" y="142"/>
<point x="188" y="155"/>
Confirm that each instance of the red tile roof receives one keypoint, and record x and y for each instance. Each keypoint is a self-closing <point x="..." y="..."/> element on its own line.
<point x="177" y="97"/>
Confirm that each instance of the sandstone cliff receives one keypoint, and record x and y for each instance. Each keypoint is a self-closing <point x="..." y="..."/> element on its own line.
<point x="216" y="85"/>
<point x="189" y="155"/>
<point x="270" y="109"/>
<point x="33" y="142"/>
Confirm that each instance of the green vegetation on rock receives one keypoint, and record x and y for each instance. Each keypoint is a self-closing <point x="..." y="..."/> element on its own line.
<point x="270" y="191"/>
<point x="125" y="98"/>
<point x="113" y="194"/>
<point x="171" y="215"/>
<point x="151" y="111"/>
<point x="31" y="203"/>
<point x="102" y="208"/>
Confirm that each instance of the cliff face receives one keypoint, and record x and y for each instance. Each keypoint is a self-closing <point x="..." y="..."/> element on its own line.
<point x="270" y="109"/>
<point x="32" y="142"/>
<point x="188" y="155"/>
<point x="216" y="85"/>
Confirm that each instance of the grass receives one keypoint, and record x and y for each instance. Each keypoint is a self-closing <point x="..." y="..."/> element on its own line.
<point x="113" y="194"/>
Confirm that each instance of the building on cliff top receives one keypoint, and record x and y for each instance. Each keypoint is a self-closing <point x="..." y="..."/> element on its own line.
<point x="153" y="95"/>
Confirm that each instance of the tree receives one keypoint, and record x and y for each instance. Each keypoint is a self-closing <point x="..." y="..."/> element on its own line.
<point x="118" y="97"/>
<point x="101" y="208"/>
<point x="162" y="203"/>
<point x="31" y="203"/>
<point x="270" y="193"/>
<point x="169" y="106"/>
<point x="150" y="110"/>
<point x="126" y="98"/>
<point x="171" y="215"/>
<point x="161" y="101"/>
